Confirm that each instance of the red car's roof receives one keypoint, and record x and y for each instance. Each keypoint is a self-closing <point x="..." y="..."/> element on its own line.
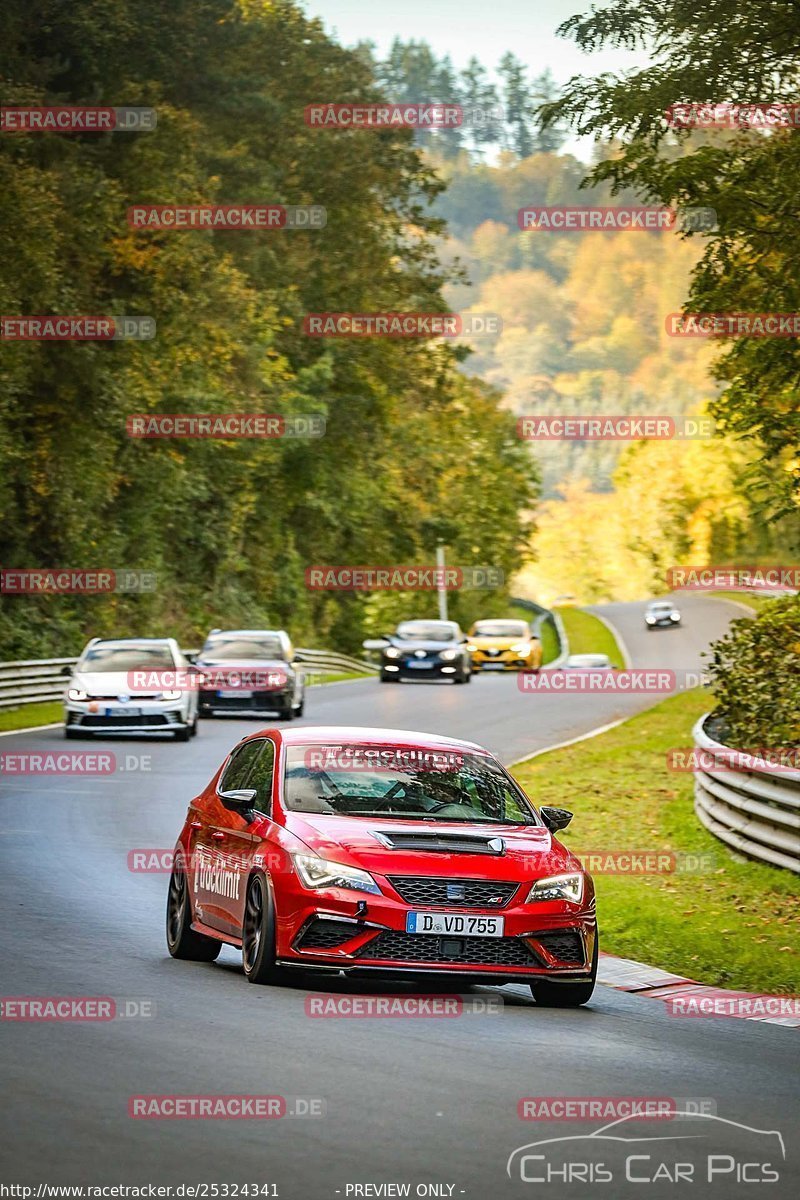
<point x="358" y="735"/>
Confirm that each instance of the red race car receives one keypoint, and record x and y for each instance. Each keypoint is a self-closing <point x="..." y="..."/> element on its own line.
<point x="381" y="851"/>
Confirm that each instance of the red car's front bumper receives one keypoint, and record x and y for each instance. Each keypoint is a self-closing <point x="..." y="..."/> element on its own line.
<point x="342" y="930"/>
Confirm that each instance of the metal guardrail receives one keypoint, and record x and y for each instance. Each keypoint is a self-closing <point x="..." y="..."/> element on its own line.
<point x="35" y="681"/>
<point x="754" y="811"/>
<point x="328" y="662"/>
<point x="546" y="616"/>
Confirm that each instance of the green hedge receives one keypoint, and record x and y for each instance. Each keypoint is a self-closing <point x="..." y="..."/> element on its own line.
<point x="755" y="672"/>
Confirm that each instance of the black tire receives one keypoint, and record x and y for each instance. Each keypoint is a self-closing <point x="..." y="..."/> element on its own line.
<point x="72" y="735"/>
<point x="461" y="677"/>
<point x="469" y="677"/>
<point x="288" y="712"/>
<point x="566" y="995"/>
<point x="195" y="725"/>
<point x="258" y="934"/>
<point x="183" y="735"/>
<point x="389" y="678"/>
<point x="298" y="712"/>
<point x="182" y="941"/>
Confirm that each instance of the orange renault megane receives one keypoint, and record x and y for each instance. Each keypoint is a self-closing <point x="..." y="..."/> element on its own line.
<point x="501" y="645"/>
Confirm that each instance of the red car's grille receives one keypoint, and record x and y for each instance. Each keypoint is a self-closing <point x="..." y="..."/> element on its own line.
<point x="454" y="893"/>
<point x="327" y="935"/>
<point x="429" y="948"/>
<point x="564" y="944"/>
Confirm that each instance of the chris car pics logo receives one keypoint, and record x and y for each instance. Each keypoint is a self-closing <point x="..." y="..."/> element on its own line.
<point x="697" y="1148"/>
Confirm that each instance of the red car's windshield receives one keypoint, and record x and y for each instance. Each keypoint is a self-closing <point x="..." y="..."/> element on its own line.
<point x="419" y="784"/>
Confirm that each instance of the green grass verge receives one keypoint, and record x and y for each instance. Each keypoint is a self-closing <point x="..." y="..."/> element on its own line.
<point x="550" y="644"/>
<point x="735" y="925"/>
<point x="31" y="714"/>
<point x="746" y="598"/>
<point x="587" y="635"/>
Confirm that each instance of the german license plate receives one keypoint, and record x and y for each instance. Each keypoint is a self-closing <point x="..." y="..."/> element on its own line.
<point x="493" y="666"/>
<point x="235" y="694"/>
<point x="420" y="666"/>
<point x="123" y="712"/>
<point x="456" y="924"/>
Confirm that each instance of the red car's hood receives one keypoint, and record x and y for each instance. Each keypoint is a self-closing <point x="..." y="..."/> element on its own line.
<point x="528" y="852"/>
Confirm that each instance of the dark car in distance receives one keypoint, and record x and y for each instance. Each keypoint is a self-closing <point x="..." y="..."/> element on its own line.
<point x="425" y="649"/>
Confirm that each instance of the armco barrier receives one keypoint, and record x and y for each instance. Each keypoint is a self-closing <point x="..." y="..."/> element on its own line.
<point x="753" y="811"/>
<point x="36" y="680"/>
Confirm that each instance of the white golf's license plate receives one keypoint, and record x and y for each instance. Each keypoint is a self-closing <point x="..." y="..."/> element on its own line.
<point x="127" y="711"/>
<point x="456" y="924"/>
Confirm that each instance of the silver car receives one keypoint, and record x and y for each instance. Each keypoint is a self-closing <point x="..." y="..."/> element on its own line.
<point x="132" y="685"/>
<point x="661" y="614"/>
<point x="249" y="672"/>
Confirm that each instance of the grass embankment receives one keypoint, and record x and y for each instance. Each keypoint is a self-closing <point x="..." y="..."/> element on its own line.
<point x="588" y="635"/>
<point x="31" y="714"/>
<point x="735" y="924"/>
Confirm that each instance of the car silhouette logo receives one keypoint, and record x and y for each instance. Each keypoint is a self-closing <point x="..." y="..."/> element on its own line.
<point x="456" y="891"/>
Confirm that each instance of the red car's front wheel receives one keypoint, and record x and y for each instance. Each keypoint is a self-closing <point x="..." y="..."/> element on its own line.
<point x="258" y="934"/>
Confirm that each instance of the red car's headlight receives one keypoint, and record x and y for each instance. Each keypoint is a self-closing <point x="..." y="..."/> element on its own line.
<point x="558" y="887"/>
<point x="319" y="873"/>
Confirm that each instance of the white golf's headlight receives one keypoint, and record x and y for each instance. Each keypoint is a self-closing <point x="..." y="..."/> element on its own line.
<point x="675" y="616"/>
<point x="391" y="652"/>
<point x="448" y="655"/>
<point x="176" y="695"/>
<point x="521" y="648"/>
<point x="650" y="620"/>
<point x="77" y="694"/>
<point x="557" y="887"/>
<point x="319" y="873"/>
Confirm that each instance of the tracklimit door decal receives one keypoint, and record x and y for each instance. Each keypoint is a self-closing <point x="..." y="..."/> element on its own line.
<point x="216" y="876"/>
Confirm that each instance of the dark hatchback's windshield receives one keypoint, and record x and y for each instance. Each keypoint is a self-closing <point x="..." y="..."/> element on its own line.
<point x="237" y="649"/>
<point x="398" y="782"/>
<point x="427" y="631"/>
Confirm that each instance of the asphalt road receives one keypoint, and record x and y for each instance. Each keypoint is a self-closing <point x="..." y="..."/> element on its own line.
<point x="407" y="1101"/>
